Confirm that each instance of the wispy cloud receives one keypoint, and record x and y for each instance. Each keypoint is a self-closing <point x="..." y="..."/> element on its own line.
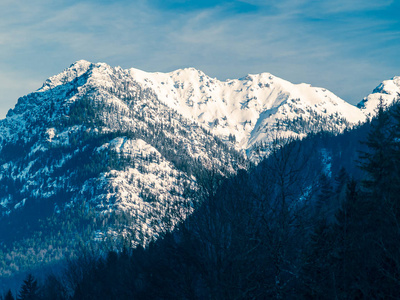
<point x="346" y="46"/>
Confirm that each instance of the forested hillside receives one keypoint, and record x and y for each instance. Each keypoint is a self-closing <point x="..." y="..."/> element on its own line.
<point x="101" y="159"/>
<point x="86" y="162"/>
<point x="296" y="226"/>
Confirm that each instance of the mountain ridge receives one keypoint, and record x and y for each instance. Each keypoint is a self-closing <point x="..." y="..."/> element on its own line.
<point x="388" y="91"/>
<point x="143" y="147"/>
<point x="249" y="111"/>
<point x="62" y="139"/>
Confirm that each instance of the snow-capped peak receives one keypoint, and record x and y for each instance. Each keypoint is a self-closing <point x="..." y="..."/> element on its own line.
<point x="139" y="142"/>
<point x="388" y="91"/>
<point x="246" y="111"/>
<point x="77" y="69"/>
<point x="246" y="108"/>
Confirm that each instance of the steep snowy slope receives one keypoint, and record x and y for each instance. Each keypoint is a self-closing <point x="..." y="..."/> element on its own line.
<point x="93" y="135"/>
<point x="252" y="109"/>
<point x="388" y="91"/>
<point x="140" y="147"/>
<point x="92" y="104"/>
<point x="247" y="111"/>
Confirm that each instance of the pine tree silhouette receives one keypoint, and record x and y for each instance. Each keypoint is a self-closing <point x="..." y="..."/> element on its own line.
<point x="9" y="296"/>
<point x="29" y="289"/>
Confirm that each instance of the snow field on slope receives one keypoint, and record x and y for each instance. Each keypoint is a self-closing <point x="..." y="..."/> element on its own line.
<point x="149" y="190"/>
<point x="388" y="91"/>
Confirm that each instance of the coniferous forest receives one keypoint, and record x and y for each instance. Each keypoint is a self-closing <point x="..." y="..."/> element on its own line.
<point x="292" y="227"/>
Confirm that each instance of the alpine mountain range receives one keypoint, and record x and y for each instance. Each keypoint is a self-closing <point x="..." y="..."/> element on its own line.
<point x="100" y="152"/>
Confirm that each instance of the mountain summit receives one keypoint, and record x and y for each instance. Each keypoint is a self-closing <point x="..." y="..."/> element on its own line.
<point x="99" y="151"/>
<point x="253" y="109"/>
<point x="249" y="111"/>
<point x="388" y="91"/>
<point x="94" y="140"/>
<point x="91" y="116"/>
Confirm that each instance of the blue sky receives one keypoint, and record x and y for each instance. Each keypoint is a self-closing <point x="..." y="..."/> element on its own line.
<point x="347" y="46"/>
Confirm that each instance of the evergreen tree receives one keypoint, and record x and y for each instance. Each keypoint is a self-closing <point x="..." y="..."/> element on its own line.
<point x="341" y="181"/>
<point x="317" y="273"/>
<point x="29" y="289"/>
<point x="54" y="289"/>
<point x="9" y="296"/>
<point x="382" y="186"/>
<point x="377" y="161"/>
<point x="348" y="233"/>
<point x="324" y="203"/>
<point x="395" y="156"/>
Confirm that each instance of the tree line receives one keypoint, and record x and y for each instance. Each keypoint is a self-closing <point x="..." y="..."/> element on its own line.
<point x="284" y="230"/>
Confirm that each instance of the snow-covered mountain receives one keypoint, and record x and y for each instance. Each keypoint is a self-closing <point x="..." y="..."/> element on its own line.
<point x="248" y="111"/>
<point x="93" y="138"/>
<point x="143" y="146"/>
<point x="388" y="91"/>
<point x="253" y="109"/>
<point x="167" y="114"/>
